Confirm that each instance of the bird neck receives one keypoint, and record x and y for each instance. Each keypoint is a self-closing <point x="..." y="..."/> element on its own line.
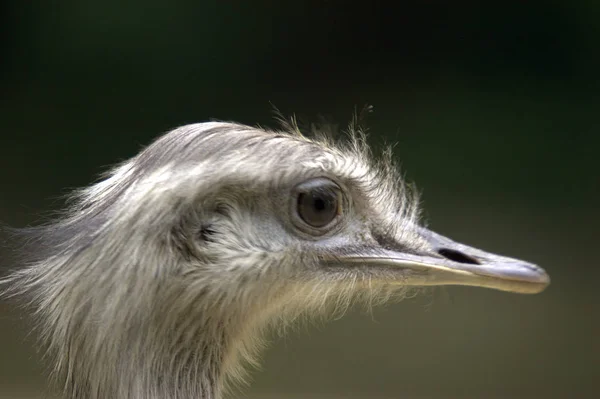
<point x="164" y="343"/>
<point x="189" y="365"/>
<point x="185" y="360"/>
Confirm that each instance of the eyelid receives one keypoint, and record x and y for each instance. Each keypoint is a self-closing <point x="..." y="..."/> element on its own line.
<point x="317" y="183"/>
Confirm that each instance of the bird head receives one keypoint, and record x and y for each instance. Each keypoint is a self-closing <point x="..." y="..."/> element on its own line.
<point x="172" y="263"/>
<point x="244" y="204"/>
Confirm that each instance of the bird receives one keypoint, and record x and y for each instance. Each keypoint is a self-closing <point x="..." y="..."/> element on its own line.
<point x="161" y="279"/>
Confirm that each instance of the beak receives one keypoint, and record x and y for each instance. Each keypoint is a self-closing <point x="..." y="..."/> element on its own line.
<point x="451" y="263"/>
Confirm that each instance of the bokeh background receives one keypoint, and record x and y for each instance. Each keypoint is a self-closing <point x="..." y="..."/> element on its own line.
<point x="494" y="109"/>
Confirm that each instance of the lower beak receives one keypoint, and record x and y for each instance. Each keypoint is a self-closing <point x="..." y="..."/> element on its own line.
<point x="451" y="263"/>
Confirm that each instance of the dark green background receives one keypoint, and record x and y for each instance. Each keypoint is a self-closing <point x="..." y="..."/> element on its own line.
<point x="495" y="112"/>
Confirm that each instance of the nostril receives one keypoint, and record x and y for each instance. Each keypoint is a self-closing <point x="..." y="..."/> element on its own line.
<point x="457" y="256"/>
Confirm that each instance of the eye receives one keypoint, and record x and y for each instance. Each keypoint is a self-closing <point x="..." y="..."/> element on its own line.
<point x="318" y="202"/>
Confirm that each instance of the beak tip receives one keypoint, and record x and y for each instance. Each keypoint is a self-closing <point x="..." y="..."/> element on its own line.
<point x="544" y="280"/>
<point x="534" y="283"/>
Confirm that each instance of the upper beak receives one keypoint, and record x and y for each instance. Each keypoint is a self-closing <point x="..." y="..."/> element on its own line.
<point x="451" y="263"/>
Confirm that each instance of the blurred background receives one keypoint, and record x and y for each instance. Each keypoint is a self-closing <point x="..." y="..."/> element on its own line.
<point x="494" y="110"/>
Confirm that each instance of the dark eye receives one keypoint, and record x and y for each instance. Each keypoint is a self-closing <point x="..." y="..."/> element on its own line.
<point x="318" y="202"/>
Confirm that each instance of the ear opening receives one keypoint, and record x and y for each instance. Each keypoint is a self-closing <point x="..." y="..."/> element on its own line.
<point x="207" y="233"/>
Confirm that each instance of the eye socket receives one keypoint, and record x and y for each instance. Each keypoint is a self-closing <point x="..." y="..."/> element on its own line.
<point x="318" y="202"/>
